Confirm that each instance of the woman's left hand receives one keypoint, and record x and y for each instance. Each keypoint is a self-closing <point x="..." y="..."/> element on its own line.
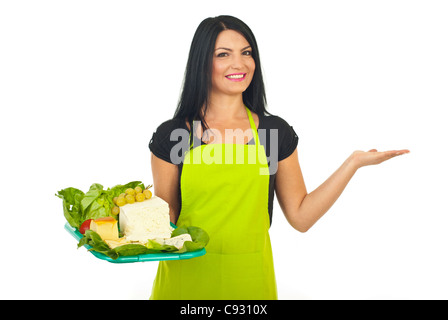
<point x="362" y="158"/>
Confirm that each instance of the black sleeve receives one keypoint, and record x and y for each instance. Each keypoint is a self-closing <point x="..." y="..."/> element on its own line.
<point x="160" y="143"/>
<point x="287" y="137"/>
<point x="288" y="140"/>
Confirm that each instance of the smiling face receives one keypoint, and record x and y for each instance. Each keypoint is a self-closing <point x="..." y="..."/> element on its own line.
<point x="233" y="65"/>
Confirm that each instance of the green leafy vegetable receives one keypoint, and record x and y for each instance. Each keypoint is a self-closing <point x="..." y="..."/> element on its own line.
<point x="96" y="203"/>
<point x="199" y="236"/>
<point x="155" y="247"/>
<point x="93" y="239"/>
<point x="131" y="250"/>
<point x="71" y="203"/>
<point x="119" y="189"/>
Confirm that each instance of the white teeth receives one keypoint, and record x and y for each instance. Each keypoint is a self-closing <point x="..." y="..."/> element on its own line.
<point x="235" y="76"/>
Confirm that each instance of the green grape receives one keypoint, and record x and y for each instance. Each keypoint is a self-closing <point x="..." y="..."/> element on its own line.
<point x="140" y="197"/>
<point x="130" y="198"/>
<point x="130" y="191"/>
<point x="147" y="193"/>
<point x="138" y="190"/>
<point x="115" y="210"/>
<point x="121" y="201"/>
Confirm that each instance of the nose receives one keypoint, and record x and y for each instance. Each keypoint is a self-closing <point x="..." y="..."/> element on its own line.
<point x="237" y="62"/>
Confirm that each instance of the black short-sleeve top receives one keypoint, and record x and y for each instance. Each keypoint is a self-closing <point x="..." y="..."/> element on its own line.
<point x="276" y="135"/>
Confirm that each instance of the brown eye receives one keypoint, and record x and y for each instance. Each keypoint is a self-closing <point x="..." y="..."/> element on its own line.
<point x="247" y="53"/>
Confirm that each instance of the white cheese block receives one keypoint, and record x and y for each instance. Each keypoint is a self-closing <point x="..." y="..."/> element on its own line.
<point x="149" y="219"/>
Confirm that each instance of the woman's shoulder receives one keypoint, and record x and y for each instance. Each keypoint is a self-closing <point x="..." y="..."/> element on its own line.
<point x="270" y="121"/>
<point x="165" y="130"/>
<point x="162" y="140"/>
<point x="281" y="131"/>
<point x="167" y="126"/>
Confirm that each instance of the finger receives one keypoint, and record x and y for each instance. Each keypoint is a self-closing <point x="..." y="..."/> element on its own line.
<point x="394" y="153"/>
<point x="390" y="153"/>
<point x="373" y="150"/>
<point x="399" y="152"/>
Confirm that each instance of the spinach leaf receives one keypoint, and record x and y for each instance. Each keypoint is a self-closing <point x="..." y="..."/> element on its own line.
<point x="190" y="246"/>
<point x="199" y="236"/>
<point x="156" y="247"/>
<point x="131" y="250"/>
<point x="94" y="240"/>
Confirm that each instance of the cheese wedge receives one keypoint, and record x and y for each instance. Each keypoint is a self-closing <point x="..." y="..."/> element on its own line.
<point x="107" y="228"/>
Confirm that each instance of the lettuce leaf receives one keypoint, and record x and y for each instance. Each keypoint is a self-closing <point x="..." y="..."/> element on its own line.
<point x="95" y="203"/>
<point x="71" y="203"/>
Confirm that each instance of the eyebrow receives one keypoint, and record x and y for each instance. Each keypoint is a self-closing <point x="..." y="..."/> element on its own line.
<point x="231" y="49"/>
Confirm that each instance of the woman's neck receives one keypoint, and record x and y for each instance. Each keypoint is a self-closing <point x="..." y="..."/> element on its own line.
<point x="225" y="107"/>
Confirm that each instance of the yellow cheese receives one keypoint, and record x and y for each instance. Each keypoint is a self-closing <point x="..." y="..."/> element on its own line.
<point x="107" y="228"/>
<point x="116" y="243"/>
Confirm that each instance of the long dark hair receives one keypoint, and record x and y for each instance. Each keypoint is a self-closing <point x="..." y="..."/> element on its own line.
<point x="198" y="74"/>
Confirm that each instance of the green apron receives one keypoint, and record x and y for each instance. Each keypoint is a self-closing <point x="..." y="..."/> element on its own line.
<point x="225" y="191"/>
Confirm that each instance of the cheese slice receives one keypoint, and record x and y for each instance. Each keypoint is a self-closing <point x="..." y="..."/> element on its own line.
<point x="117" y="243"/>
<point x="177" y="241"/>
<point x="107" y="228"/>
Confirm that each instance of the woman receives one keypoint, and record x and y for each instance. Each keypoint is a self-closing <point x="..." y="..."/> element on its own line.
<point x="219" y="178"/>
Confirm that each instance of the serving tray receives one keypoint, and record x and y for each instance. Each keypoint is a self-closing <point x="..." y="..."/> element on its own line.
<point x="137" y="258"/>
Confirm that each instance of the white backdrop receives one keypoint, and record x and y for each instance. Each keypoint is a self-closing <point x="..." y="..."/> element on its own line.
<point x="84" y="84"/>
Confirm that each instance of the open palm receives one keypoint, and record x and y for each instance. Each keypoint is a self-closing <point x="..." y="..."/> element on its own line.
<point x="373" y="156"/>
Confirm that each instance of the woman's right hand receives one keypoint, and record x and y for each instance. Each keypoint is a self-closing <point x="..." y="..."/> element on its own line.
<point x="373" y="156"/>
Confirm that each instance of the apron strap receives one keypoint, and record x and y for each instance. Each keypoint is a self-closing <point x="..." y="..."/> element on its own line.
<point x="253" y="127"/>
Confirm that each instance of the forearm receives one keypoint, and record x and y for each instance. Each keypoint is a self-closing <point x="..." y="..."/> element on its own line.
<point x="316" y="203"/>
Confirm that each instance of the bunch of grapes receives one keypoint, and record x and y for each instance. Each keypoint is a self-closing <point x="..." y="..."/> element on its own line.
<point x="131" y="196"/>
